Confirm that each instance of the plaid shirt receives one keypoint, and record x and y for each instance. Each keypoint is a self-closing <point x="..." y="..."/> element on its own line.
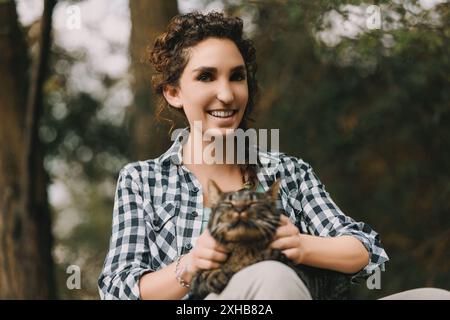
<point x="158" y="210"/>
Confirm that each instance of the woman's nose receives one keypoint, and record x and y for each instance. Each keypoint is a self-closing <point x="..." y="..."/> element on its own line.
<point x="225" y="93"/>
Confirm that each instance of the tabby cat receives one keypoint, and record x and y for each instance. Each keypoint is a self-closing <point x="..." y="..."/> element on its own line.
<point x="245" y="223"/>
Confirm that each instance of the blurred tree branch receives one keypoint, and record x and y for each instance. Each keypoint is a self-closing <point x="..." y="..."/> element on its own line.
<point x="34" y="104"/>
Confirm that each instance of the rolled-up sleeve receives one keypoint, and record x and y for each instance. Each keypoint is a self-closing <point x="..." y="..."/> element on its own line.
<point x="324" y="218"/>
<point x="128" y="257"/>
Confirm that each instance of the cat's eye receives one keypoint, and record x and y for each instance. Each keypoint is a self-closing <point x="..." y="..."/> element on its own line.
<point x="225" y="205"/>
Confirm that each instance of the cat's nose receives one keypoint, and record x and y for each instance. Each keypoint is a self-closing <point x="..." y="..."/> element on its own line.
<point x="244" y="215"/>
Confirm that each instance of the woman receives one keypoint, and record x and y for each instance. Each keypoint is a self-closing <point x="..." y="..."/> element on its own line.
<point x="206" y="70"/>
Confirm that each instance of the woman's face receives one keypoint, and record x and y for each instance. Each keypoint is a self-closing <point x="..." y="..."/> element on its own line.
<point x="213" y="86"/>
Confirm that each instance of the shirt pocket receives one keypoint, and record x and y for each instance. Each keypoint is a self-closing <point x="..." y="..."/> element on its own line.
<point x="161" y="223"/>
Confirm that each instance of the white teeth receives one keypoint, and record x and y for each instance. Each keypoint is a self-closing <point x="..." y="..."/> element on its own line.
<point x="222" y="114"/>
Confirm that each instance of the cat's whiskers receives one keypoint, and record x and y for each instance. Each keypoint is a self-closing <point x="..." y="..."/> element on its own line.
<point x="272" y="224"/>
<point x="217" y="228"/>
<point x="266" y="234"/>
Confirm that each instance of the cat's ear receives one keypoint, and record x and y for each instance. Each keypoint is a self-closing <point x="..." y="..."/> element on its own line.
<point x="274" y="188"/>
<point x="214" y="192"/>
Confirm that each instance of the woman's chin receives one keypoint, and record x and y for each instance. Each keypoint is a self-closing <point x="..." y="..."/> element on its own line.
<point x="211" y="131"/>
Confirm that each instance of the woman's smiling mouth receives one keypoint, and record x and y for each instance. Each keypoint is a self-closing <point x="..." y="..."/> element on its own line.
<point x="222" y="113"/>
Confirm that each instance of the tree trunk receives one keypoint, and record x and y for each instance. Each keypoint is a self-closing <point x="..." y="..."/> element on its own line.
<point x="148" y="19"/>
<point x="26" y="265"/>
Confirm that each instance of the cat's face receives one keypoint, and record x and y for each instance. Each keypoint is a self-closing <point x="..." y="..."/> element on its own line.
<point x="243" y="216"/>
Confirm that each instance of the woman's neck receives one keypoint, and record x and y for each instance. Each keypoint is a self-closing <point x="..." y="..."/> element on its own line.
<point x="227" y="175"/>
<point x="218" y="153"/>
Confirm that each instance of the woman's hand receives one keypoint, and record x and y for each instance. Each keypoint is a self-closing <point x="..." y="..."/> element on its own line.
<point x="207" y="254"/>
<point x="289" y="240"/>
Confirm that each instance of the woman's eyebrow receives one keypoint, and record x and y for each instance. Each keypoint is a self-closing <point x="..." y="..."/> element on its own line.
<point x="214" y="70"/>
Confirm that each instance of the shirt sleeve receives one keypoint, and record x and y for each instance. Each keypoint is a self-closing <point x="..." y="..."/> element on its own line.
<point x="324" y="218"/>
<point x="128" y="257"/>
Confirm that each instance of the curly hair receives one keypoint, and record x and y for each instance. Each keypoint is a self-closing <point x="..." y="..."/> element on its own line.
<point x="170" y="56"/>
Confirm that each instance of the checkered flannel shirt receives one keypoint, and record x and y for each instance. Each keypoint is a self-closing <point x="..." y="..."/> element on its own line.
<point x="158" y="210"/>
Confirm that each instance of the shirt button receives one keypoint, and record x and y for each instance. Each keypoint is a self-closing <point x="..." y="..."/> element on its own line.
<point x="195" y="189"/>
<point x="194" y="213"/>
<point x="188" y="246"/>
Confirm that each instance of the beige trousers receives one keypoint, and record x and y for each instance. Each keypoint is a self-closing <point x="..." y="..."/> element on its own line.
<point x="267" y="280"/>
<point x="273" y="280"/>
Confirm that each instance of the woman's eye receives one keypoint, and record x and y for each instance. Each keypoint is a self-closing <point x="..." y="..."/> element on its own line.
<point x="239" y="77"/>
<point x="204" y="77"/>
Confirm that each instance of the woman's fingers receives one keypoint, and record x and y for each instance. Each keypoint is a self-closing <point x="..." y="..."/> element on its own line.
<point x="283" y="231"/>
<point x="221" y="249"/>
<point x="285" y="243"/>
<point x="286" y="230"/>
<point x="290" y="246"/>
<point x="208" y="241"/>
<point x="284" y="220"/>
<point x="206" y="264"/>
<point x="292" y="254"/>
<point x="208" y="253"/>
<point x="205" y="258"/>
<point x="211" y="254"/>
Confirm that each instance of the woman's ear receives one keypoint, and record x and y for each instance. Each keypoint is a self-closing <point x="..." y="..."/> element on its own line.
<point x="171" y="94"/>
